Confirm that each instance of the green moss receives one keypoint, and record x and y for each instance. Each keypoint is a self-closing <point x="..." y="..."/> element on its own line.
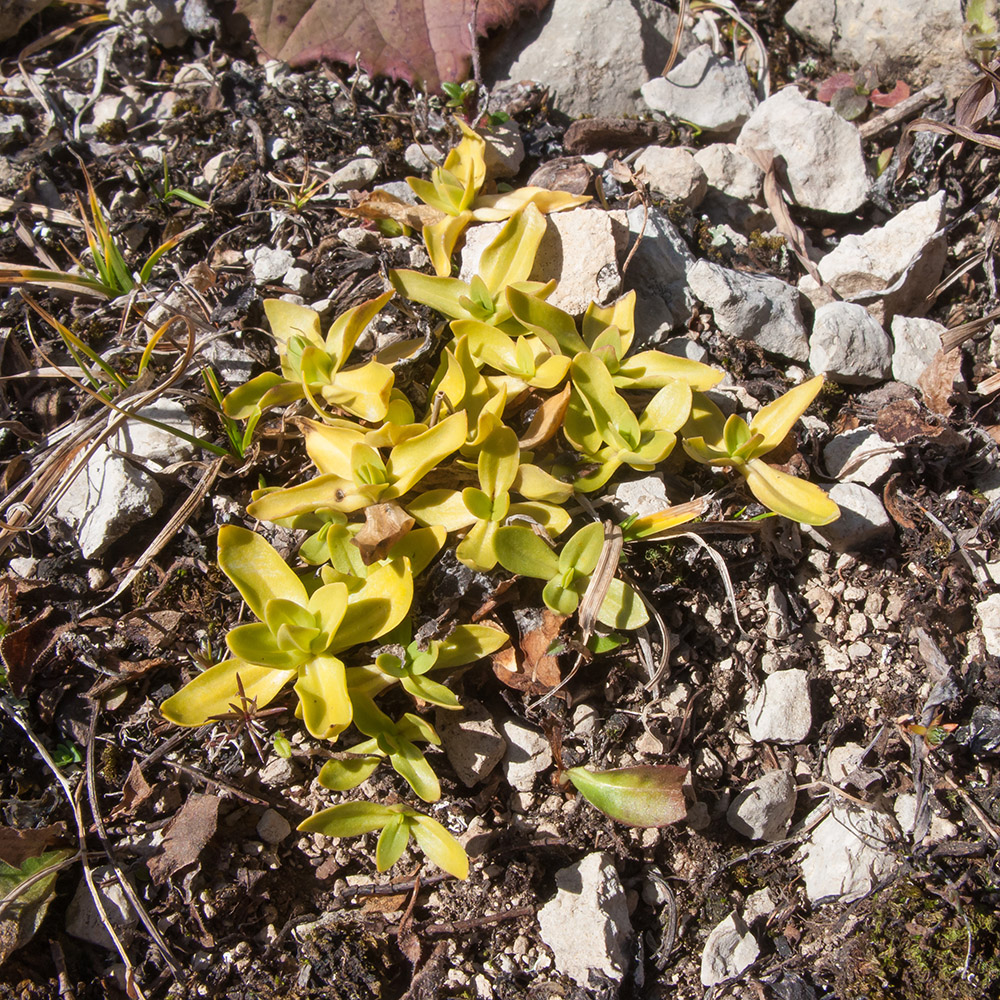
<point x="915" y="946"/>
<point x="112" y="131"/>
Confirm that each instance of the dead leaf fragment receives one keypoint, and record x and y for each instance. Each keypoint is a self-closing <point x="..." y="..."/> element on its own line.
<point x="937" y="383"/>
<point x="566" y="173"/>
<point x="185" y="837"/>
<point x="382" y="205"/>
<point x="385" y="524"/>
<point x="16" y="846"/>
<point x="135" y="792"/>
<point x="420" y="41"/>
<point x="530" y="667"/>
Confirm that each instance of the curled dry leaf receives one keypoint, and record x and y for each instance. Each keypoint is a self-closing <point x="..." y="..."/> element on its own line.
<point x="385" y="524"/>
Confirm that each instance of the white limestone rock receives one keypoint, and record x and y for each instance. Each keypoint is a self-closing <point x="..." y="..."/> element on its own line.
<point x="848" y="852"/>
<point x="863" y="520"/>
<point x="593" y="55"/>
<point x="917" y="343"/>
<point x="673" y="173"/>
<point x="268" y="263"/>
<point x="764" y="808"/>
<point x="272" y="827"/>
<point x="729" y="950"/>
<point x="84" y="922"/>
<point x="711" y="91"/>
<point x="890" y="268"/>
<point x="822" y="152"/>
<point x="753" y="307"/>
<point x="989" y="621"/>
<point x="848" y="345"/>
<point x="471" y="740"/>
<point x="586" y="924"/>
<point x="782" y="710"/>
<point x="356" y="174"/>
<point x="641" y="497"/>
<point x="860" y="456"/>
<point x="658" y="273"/>
<point x="580" y="249"/>
<point x="528" y="754"/>
<point x="730" y="172"/>
<point x="504" y="150"/>
<point x="905" y="808"/>
<point x="889" y="33"/>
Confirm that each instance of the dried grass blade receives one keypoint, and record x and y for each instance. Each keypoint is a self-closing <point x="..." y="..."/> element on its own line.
<point x="600" y="579"/>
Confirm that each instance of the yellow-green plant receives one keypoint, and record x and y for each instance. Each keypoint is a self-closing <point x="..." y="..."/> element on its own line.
<point x="454" y="190"/>
<point x="313" y="366"/>
<point x="296" y="639"/>
<point x="586" y="407"/>
<point x="712" y="439"/>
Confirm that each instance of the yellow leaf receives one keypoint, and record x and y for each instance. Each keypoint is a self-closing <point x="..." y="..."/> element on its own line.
<point x="795" y="498"/>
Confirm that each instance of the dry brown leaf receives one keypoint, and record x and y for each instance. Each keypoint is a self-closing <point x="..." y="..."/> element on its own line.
<point x="901" y="423"/>
<point x="385" y="524"/>
<point x="185" y="837"/>
<point x="135" y="792"/>
<point x="16" y="846"/>
<point x="420" y="41"/>
<point x="548" y="419"/>
<point x="937" y="382"/>
<point x="530" y="668"/>
<point x="382" y="205"/>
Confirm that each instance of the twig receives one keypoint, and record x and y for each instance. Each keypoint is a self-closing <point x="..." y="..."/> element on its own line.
<point x="81" y="832"/>
<point x="102" y="833"/>
<point x="894" y="115"/>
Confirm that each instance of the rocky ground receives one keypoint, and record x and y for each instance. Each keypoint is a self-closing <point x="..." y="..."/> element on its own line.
<point x="833" y="691"/>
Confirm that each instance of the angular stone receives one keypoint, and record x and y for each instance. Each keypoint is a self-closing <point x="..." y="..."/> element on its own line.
<point x="729" y="950"/>
<point x="674" y="173"/>
<point x="890" y="268"/>
<point x="268" y="263"/>
<point x="528" y="753"/>
<point x="782" y="710"/>
<point x="860" y="456"/>
<point x="905" y="808"/>
<point x="847" y="854"/>
<point x="921" y="45"/>
<point x="84" y="922"/>
<point x="586" y="923"/>
<point x="592" y="55"/>
<point x="764" y="808"/>
<point x="504" y="151"/>
<point x="729" y="171"/>
<point x="641" y="497"/>
<point x="471" y="740"/>
<point x="822" y="152"/>
<point x="849" y="345"/>
<point x="753" y="307"/>
<point x="711" y="91"/>
<point x="357" y="174"/>
<point x="272" y="827"/>
<point x="657" y="273"/>
<point x="917" y="344"/>
<point x="989" y="621"/>
<point x="863" y="521"/>
<point x="580" y="249"/>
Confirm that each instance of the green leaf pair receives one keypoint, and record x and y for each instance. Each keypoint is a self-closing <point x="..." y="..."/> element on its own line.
<point x="568" y="574"/>
<point x="712" y="439"/>
<point x="397" y="823"/>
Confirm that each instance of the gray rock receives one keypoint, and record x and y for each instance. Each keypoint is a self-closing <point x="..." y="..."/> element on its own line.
<point x="278" y="772"/>
<point x="890" y="268"/>
<point x="272" y="827"/>
<point x="674" y="173"/>
<point x="580" y="248"/>
<point x="887" y="32"/>
<point x="23" y="566"/>
<point x="863" y="520"/>
<point x="216" y="166"/>
<point x="684" y="347"/>
<point x="847" y="854"/>
<point x="640" y="497"/>
<point x="658" y="273"/>
<point x="357" y="174"/>
<point x="764" y="808"/>
<point x="528" y="754"/>
<point x="823" y="157"/>
<point x="504" y="152"/>
<point x="860" y="456"/>
<point x="782" y="710"/>
<point x="845" y="767"/>
<point x="298" y="279"/>
<point x="849" y="345"/>
<point x="422" y="157"/>
<point x="110" y="109"/>
<point x="917" y="343"/>
<point x="268" y="263"/>
<point x="753" y="307"/>
<point x="989" y="622"/>
<point x="586" y="923"/>
<point x="234" y="364"/>
<point x="593" y="55"/>
<point x="905" y="808"/>
<point x="15" y="13"/>
<point x="109" y="497"/>
<point x="157" y="444"/>
<point x="729" y="171"/>
<point x="708" y="90"/>
<point x="12" y="129"/>
<point x="167" y="22"/>
<point x="729" y="950"/>
<point x="84" y="922"/>
<point x="471" y="740"/>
